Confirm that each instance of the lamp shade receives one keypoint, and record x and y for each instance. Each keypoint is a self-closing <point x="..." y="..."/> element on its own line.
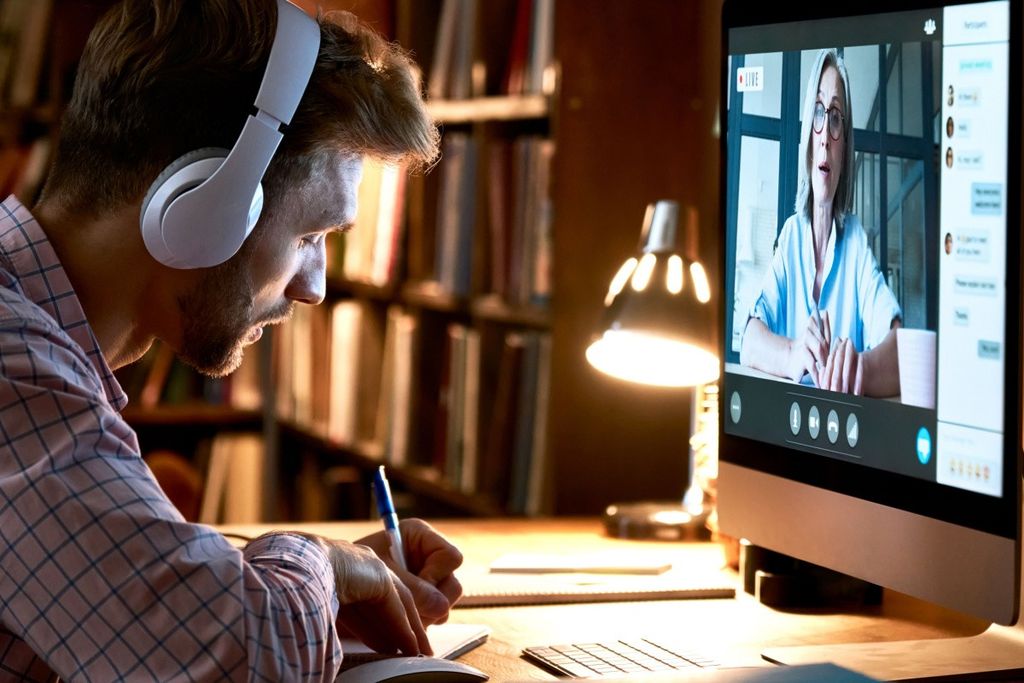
<point x="657" y="323"/>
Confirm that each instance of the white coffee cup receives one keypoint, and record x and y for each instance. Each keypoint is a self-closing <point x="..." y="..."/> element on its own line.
<point x="916" y="352"/>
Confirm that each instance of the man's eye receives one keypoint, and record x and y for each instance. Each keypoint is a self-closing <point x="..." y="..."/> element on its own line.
<point x="310" y="240"/>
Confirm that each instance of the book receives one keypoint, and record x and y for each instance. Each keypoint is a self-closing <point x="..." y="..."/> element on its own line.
<point x="495" y="466"/>
<point x="526" y="399"/>
<point x="449" y="641"/>
<point x="470" y="413"/>
<point x="515" y="72"/>
<point x="461" y="77"/>
<point x="346" y="320"/>
<point x="444" y="45"/>
<point x="456" y="214"/>
<point x="541" y="45"/>
<point x="32" y="42"/>
<point x="400" y="427"/>
<point x="537" y="474"/>
<point x="232" y="491"/>
<point x="499" y="214"/>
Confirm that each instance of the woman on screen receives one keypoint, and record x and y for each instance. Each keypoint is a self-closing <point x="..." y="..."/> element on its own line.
<point x="825" y="314"/>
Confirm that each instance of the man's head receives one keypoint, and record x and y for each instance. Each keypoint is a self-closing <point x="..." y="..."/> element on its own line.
<point x="162" y="77"/>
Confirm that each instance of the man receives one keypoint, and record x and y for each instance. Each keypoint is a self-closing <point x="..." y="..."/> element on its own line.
<point x="100" y="577"/>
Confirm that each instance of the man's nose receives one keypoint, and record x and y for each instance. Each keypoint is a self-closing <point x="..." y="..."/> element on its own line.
<point x="309" y="286"/>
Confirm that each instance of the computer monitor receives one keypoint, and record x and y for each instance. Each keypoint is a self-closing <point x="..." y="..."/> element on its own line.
<point x="871" y="327"/>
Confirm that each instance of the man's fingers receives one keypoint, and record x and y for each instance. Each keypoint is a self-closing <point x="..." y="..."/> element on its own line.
<point x="431" y="603"/>
<point x="438" y="558"/>
<point x="450" y="588"/>
<point x="408" y="605"/>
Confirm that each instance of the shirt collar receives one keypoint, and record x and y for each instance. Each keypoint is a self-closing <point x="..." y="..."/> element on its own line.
<point x="28" y="256"/>
<point x="830" y="255"/>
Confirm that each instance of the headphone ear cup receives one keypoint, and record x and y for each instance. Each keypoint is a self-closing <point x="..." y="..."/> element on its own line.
<point x="181" y="175"/>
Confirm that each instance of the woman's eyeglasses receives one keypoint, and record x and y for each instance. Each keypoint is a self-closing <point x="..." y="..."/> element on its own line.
<point x="835" y="120"/>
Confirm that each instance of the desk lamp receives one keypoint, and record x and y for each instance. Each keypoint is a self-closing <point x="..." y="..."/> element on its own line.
<point x="657" y="330"/>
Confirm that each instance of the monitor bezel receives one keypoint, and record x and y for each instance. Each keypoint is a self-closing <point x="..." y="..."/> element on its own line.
<point x="995" y="515"/>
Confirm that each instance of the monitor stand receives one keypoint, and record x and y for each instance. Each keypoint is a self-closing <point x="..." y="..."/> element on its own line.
<point x="995" y="654"/>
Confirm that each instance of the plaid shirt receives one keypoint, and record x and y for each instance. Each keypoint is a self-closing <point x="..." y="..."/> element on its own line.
<point x="100" y="577"/>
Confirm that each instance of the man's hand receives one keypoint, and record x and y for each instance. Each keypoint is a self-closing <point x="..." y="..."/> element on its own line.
<point x="432" y="561"/>
<point x="374" y="605"/>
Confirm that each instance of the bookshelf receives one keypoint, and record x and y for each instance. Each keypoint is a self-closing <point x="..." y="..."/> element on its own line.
<point x="613" y="120"/>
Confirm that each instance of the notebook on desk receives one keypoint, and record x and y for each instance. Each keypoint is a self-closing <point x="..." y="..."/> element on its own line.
<point x="489" y="588"/>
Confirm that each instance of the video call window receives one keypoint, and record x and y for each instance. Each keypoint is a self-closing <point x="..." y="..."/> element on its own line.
<point x="895" y="194"/>
<point x="876" y="229"/>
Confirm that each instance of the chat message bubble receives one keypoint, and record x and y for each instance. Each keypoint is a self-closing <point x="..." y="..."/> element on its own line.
<point x="961" y="316"/>
<point x="973" y="285"/>
<point x="987" y="199"/>
<point x="971" y="159"/>
<point x="973" y="245"/>
<point x="968" y="96"/>
<point x="976" y="65"/>
<point x="963" y="129"/>
<point x="989" y="350"/>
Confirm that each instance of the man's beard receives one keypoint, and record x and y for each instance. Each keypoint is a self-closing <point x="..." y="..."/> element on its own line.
<point x="218" y="314"/>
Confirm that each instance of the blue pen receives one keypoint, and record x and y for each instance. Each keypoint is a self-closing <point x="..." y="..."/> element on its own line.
<point x="386" y="510"/>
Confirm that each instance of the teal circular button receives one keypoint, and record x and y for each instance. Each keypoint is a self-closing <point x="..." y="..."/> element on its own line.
<point x="924" y="446"/>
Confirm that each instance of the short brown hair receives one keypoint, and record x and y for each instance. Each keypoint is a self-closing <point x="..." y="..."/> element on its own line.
<point x="159" y="78"/>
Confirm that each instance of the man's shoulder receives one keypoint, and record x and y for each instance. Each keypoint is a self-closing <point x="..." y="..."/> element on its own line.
<point x="18" y="312"/>
<point x="28" y="332"/>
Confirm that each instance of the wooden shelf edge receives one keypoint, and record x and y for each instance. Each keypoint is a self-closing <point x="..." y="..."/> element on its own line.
<point x="339" y="287"/>
<point x="420" y="480"/>
<point x="428" y="294"/>
<point x="491" y="307"/>
<point x="496" y="108"/>
<point x="198" y="414"/>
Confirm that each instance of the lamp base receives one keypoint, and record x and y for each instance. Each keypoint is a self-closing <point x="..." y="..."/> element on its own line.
<point x="656" y="520"/>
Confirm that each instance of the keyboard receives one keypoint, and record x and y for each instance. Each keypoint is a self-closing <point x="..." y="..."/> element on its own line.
<point x="614" y="658"/>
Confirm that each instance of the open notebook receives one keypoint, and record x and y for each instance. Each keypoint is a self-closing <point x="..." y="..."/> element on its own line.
<point x="449" y="641"/>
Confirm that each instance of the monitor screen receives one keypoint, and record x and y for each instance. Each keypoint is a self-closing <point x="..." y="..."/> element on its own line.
<point x="871" y="291"/>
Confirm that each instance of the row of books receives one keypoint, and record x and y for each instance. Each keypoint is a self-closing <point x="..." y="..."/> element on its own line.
<point x="413" y="390"/>
<point x="491" y="430"/>
<point x="233" y="482"/>
<point x="513" y="259"/>
<point x="490" y="230"/>
<point x="371" y="251"/>
<point x="161" y="379"/>
<point x="489" y="47"/>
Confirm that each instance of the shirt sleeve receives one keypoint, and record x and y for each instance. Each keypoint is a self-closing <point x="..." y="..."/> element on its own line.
<point x="878" y="305"/>
<point x="769" y="307"/>
<point x="101" y="576"/>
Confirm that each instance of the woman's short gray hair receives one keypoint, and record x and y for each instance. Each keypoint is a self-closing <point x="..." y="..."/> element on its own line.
<point x="843" y="202"/>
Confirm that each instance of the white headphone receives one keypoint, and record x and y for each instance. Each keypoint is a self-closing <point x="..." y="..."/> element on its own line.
<point x="202" y="207"/>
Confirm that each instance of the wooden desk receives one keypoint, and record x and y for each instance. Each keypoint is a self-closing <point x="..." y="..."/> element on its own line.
<point x="739" y="628"/>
